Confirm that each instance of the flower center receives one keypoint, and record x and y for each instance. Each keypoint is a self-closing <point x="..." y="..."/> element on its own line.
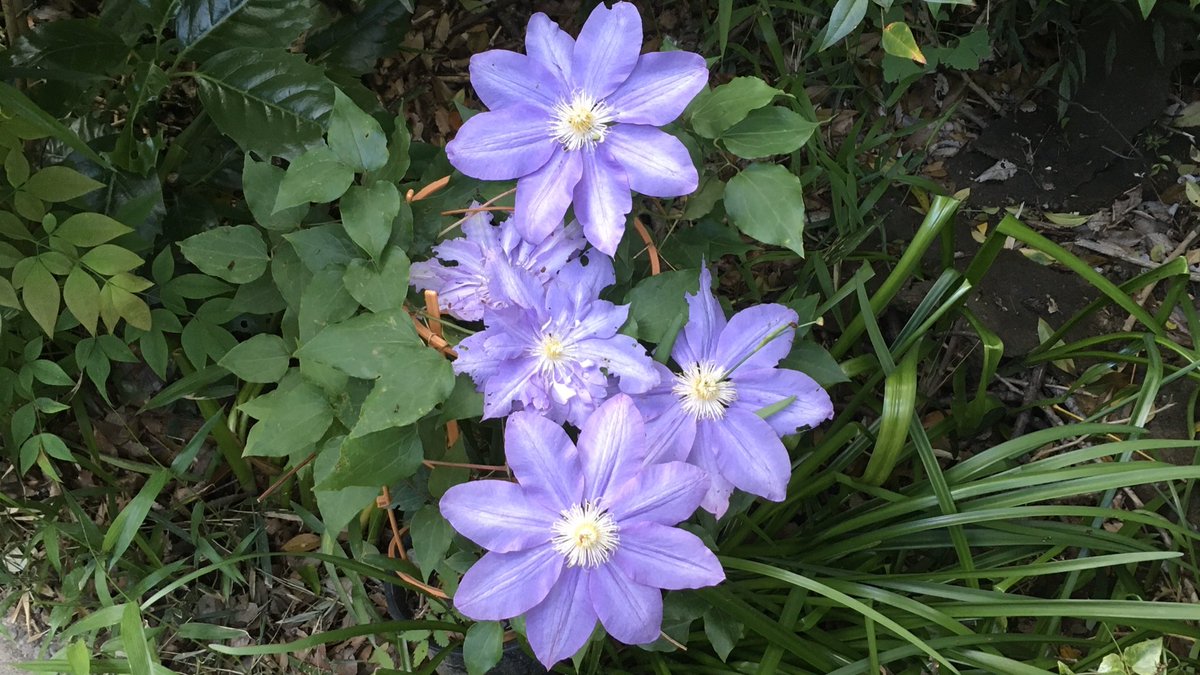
<point x="704" y="391"/>
<point x="551" y="348"/>
<point x="586" y="535"/>
<point x="580" y="122"/>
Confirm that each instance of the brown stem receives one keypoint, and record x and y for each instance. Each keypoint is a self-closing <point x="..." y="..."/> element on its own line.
<point x="282" y="479"/>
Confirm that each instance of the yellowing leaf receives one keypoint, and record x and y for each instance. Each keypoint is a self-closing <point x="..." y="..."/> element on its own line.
<point x="898" y="40"/>
<point x="1067" y="219"/>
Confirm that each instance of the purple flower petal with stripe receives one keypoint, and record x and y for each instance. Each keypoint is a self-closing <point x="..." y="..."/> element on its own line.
<point x="575" y="121"/>
<point x="711" y="413"/>
<point x="608" y="547"/>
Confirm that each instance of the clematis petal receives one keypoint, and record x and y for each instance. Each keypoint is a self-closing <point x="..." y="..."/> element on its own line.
<point x="630" y="612"/>
<point x="497" y="515"/>
<point x="564" y="621"/>
<point x="706" y="321"/>
<point x="513" y="285"/>
<point x="656" y="162"/>
<point x="670" y="430"/>
<point x="503" y="585"/>
<point x="544" y="460"/>
<point x="502" y="144"/>
<point x="602" y="200"/>
<point x="504" y="385"/>
<point x="544" y="195"/>
<point x="624" y="357"/>
<point x="764" y="387"/>
<point x="503" y="78"/>
<point x="662" y="493"/>
<point x="612" y="445"/>
<point x="607" y="49"/>
<point x="716" y="500"/>
<point x="659" y="88"/>
<point x="551" y="46"/>
<point x="748" y="453"/>
<point x="666" y="557"/>
<point x="756" y="337"/>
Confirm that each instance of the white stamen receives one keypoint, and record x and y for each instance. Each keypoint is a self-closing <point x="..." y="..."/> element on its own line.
<point x="704" y="391"/>
<point x="586" y="535"/>
<point x="551" y="350"/>
<point x="580" y="122"/>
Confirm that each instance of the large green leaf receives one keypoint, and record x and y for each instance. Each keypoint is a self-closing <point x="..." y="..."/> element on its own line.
<point x="766" y="202"/>
<point x="270" y="102"/>
<point x="415" y="382"/>
<point x="367" y="214"/>
<point x="355" y="137"/>
<point x="382" y="458"/>
<point x="262" y="358"/>
<point x="339" y="505"/>
<point x="367" y="345"/>
<point x="378" y="286"/>
<point x="260" y="184"/>
<point x="235" y="253"/>
<point x="71" y="45"/>
<point x="768" y="131"/>
<point x="357" y="40"/>
<point x="716" y="110"/>
<point x="315" y="176"/>
<point x="205" y="27"/>
<point x="290" y="419"/>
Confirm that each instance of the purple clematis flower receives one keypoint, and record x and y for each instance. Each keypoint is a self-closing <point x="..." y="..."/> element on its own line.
<point x="465" y="286"/>
<point x="555" y="348"/>
<point x="575" y="120"/>
<point x="585" y="534"/>
<point x="708" y="413"/>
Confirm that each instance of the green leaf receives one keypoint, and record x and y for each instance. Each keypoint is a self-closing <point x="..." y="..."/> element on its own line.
<point x="290" y="419"/>
<point x="79" y="658"/>
<point x="381" y="458"/>
<point x="483" y="647"/>
<point x="1144" y="658"/>
<point x="16" y="167"/>
<point x="716" y="110"/>
<point x="262" y="358"/>
<point x="41" y="296"/>
<point x="133" y="639"/>
<point x="315" y="176"/>
<point x="90" y="229"/>
<point x="431" y="536"/>
<point x="260" y="184"/>
<point x="846" y="16"/>
<point x="270" y="102"/>
<point x="765" y="201"/>
<point x="15" y="103"/>
<point x="416" y="382"/>
<point x="1146" y="6"/>
<point x="60" y="184"/>
<point x="768" y="131"/>
<point x="898" y="40"/>
<point x="8" y="295"/>
<point x="339" y="506"/>
<point x="815" y="361"/>
<point x="49" y="372"/>
<point x="357" y="40"/>
<point x="205" y="27"/>
<point x="367" y="215"/>
<point x="657" y="303"/>
<point x="78" y="45"/>
<point x="355" y="137"/>
<point x="30" y="207"/>
<point x="235" y="253"/>
<point x="367" y="345"/>
<point x="398" y="148"/>
<point x="379" y="286"/>
<point x="722" y="631"/>
<point x="120" y="303"/>
<point x="125" y="526"/>
<point x="109" y="259"/>
<point x="322" y="246"/>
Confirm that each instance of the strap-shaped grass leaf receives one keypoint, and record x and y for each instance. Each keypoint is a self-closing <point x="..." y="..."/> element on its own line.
<point x="125" y="526"/>
<point x="205" y="27"/>
<point x="270" y="102"/>
<point x="899" y="399"/>
<point x="133" y="639"/>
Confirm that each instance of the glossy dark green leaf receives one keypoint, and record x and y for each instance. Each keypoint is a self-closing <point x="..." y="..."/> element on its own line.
<point x="270" y="102"/>
<point x="80" y="45"/>
<point x="205" y="27"/>
<point x="357" y="40"/>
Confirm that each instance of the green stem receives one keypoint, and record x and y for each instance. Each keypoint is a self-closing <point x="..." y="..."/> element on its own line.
<point x="231" y="448"/>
